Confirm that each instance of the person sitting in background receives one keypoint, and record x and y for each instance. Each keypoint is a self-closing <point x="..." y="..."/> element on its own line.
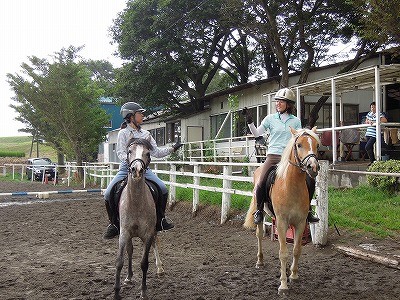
<point x="371" y="131"/>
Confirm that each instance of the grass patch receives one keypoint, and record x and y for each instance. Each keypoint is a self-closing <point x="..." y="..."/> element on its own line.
<point x="365" y="208"/>
<point x="23" y="144"/>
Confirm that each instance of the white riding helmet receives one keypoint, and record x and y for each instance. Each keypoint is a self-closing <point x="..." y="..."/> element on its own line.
<point x="131" y="107"/>
<point x="286" y="94"/>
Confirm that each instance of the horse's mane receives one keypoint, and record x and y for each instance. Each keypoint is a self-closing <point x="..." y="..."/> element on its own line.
<point x="284" y="163"/>
<point x="140" y="141"/>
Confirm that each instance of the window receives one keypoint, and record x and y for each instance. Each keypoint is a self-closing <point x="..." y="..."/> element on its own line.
<point x="173" y="132"/>
<point x="216" y="123"/>
<point x="350" y="115"/>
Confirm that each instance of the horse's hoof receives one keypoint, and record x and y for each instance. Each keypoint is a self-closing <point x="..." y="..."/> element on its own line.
<point x="259" y="265"/>
<point x="128" y="282"/>
<point x="143" y="296"/>
<point x="283" y="292"/>
<point x="294" y="279"/>
<point x="117" y="297"/>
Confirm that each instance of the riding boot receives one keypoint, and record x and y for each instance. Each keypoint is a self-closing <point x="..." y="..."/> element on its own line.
<point x="260" y="197"/>
<point x="162" y="222"/>
<point x="311" y="218"/>
<point x="311" y="189"/>
<point x="113" y="228"/>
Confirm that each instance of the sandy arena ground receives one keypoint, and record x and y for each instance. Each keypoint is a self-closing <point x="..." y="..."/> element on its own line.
<point x="55" y="250"/>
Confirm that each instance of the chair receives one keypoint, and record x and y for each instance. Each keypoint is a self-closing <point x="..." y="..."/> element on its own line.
<point x="326" y="141"/>
<point x="349" y="137"/>
<point x="261" y="149"/>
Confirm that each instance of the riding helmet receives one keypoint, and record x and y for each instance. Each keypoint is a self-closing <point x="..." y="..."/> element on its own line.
<point x="286" y="94"/>
<point x="131" y="108"/>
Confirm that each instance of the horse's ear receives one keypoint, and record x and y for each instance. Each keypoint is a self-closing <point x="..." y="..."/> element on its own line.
<point x="292" y="130"/>
<point x="314" y="129"/>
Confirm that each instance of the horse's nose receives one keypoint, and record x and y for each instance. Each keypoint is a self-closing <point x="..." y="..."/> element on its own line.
<point x="313" y="168"/>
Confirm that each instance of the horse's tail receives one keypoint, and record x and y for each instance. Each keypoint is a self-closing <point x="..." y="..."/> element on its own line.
<point x="249" y="221"/>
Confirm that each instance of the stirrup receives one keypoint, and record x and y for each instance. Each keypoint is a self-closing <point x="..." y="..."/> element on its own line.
<point x="111" y="232"/>
<point x="258" y="217"/>
<point x="311" y="218"/>
<point x="164" y="225"/>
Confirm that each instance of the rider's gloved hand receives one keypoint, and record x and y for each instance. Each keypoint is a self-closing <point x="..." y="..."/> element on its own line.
<point x="177" y="146"/>
<point x="249" y="118"/>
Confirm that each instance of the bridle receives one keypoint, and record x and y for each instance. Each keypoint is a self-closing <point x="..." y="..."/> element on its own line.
<point x="301" y="163"/>
<point x="141" y="161"/>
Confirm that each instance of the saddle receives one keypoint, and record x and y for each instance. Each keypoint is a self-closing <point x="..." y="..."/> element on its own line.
<point x="116" y="192"/>
<point x="310" y="182"/>
<point x="268" y="185"/>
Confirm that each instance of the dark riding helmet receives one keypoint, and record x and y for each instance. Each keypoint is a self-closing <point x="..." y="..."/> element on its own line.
<point x="286" y="94"/>
<point x="131" y="108"/>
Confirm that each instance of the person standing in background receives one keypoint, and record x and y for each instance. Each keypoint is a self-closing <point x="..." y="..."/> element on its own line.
<point x="371" y="131"/>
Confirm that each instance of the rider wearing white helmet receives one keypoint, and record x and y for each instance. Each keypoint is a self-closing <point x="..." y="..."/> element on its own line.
<point x="279" y="135"/>
<point x="133" y="115"/>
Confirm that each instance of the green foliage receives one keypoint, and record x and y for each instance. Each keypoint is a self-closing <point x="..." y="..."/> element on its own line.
<point x="384" y="183"/>
<point x="12" y="154"/>
<point x="58" y="101"/>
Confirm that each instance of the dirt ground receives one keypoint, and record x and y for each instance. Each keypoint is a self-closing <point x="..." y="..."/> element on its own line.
<point x="55" y="250"/>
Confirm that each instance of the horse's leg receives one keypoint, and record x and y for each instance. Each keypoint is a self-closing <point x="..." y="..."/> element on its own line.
<point x="145" y="266"/>
<point x="282" y="227"/>
<point x="129" y="250"/>
<point x="119" y="265"/>
<point x="159" y="265"/>
<point x="259" y="235"/>
<point x="297" y="251"/>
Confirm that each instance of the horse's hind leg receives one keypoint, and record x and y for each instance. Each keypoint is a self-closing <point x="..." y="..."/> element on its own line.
<point x="159" y="265"/>
<point x="294" y="275"/>
<point x="129" y="250"/>
<point x="145" y="266"/>
<point x="259" y="235"/>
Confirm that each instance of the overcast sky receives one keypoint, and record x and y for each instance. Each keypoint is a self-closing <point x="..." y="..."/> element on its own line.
<point x="42" y="27"/>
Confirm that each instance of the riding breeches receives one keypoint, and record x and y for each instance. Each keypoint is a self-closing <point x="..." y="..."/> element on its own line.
<point x="123" y="172"/>
<point x="260" y="186"/>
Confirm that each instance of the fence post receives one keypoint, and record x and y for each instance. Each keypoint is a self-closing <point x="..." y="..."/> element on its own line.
<point x="196" y="191"/>
<point x="320" y="229"/>
<point x="226" y="197"/>
<point x="172" y="187"/>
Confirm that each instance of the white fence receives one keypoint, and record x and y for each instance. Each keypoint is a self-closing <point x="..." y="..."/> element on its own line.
<point x="196" y="170"/>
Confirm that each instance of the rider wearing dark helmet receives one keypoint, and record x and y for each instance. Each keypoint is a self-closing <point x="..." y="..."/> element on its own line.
<point x="279" y="135"/>
<point x="132" y="113"/>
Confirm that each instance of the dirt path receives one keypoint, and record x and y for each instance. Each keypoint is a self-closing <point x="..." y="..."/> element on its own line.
<point x="55" y="251"/>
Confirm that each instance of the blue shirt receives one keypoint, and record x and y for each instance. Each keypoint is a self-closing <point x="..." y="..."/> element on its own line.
<point x="279" y="131"/>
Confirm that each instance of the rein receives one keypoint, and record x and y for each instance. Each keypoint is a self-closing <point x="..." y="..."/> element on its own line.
<point x="301" y="163"/>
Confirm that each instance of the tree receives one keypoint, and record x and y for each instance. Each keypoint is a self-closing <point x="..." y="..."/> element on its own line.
<point x="174" y="49"/>
<point x="59" y="100"/>
<point x="380" y="20"/>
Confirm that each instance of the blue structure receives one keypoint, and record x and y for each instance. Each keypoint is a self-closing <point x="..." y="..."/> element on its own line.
<point x="112" y="109"/>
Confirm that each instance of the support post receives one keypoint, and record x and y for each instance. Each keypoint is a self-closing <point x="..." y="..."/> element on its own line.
<point x="319" y="231"/>
<point x="226" y="197"/>
<point x="196" y="191"/>
<point x="172" y="187"/>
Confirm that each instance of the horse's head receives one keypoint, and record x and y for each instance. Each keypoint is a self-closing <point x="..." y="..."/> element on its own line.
<point x="305" y="147"/>
<point x="138" y="156"/>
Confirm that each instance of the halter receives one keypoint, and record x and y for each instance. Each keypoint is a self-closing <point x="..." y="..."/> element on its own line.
<point x="301" y="163"/>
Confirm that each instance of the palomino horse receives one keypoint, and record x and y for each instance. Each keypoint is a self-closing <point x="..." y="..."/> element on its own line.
<point x="290" y="199"/>
<point x="137" y="214"/>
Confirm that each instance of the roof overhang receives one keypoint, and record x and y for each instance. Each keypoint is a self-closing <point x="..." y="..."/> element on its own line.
<point x="365" y="78"/>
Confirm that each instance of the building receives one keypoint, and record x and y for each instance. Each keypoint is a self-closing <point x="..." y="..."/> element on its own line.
<point x="376" y="80"/>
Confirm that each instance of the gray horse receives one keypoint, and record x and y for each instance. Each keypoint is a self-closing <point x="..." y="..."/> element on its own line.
<point x="138" y="218"/>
